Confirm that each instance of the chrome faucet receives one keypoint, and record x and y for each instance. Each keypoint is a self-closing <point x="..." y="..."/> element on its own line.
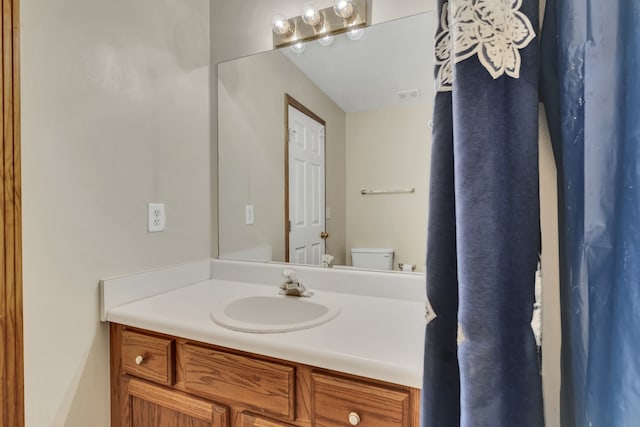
<point x="291" y="286"/>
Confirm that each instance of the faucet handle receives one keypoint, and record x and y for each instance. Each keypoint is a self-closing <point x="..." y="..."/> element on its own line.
<point x="289" y="274"/>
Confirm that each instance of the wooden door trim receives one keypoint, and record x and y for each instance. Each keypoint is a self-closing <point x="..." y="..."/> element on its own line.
<point x="290" y="101"/>
<point x="11" y="332"/>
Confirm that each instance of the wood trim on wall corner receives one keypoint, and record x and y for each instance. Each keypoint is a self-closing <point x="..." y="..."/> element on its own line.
<point x="11" y="325"/>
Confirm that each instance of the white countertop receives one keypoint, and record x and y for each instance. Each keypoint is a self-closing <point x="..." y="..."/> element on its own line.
<point x="375" y="337"/>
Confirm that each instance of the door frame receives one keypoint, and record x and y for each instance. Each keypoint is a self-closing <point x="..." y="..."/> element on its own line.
<point x="11" y="328"/>
<point x="290" y="101"/>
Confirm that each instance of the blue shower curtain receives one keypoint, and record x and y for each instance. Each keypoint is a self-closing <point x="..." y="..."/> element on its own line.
<point x="591" y="90"/>
<point x="481" y="362"/>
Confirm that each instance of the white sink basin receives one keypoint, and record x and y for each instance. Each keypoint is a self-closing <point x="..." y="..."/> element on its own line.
<point x="269" y="314"/>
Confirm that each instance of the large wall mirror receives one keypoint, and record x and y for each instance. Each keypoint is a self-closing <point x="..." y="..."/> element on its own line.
<point x="325" y="151"/>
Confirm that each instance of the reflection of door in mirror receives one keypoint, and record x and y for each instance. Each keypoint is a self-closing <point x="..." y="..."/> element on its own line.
<point x="304" y="217"/>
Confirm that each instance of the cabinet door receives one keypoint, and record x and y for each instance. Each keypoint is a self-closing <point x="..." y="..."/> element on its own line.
<point x="154" y="406"/>
<point x="250" y="420"/>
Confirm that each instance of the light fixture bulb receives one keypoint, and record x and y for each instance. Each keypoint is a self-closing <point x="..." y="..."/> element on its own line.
<point x="326" y="40"/>
<point x="343" y="8"/>
<point x="356" y="33"/>
<point x="311" y="14"/>
<point x="281" y="25"/>
<point x="298" y="48"/>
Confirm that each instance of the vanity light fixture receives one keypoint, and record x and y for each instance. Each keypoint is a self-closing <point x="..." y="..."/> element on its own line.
<point x="311" y="14"/>
<point x="343" y="8"/>
<point x="355" y="34"/>
<point x="326" y="40"/>
<point x="313" y="24"/>
<point x="281" y="25"/>
<point x="298" y="48"/>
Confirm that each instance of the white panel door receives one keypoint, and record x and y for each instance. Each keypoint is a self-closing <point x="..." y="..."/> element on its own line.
<point x="306" y="189"/>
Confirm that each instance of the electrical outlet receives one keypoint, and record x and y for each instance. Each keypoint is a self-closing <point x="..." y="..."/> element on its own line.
<point x="156" y="217"/>
<point x="248" y="214"/>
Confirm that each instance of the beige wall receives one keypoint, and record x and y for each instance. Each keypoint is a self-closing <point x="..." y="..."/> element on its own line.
<point x="251" y="146"/>
<point x="389" y="149"/>
<point x="115" y="113"/>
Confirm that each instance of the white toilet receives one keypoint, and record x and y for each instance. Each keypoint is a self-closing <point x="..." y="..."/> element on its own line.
<point x="372" y="258"/>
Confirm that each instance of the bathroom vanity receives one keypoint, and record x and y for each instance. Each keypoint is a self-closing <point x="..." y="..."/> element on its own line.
<point x="172" y="365"/>
<point x="162" y="380"/>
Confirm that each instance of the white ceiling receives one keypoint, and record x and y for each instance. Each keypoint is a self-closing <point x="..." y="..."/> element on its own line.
<point x="367" y="74"/>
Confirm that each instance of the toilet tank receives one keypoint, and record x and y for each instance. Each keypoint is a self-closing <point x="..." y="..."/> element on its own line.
<point x="374" y="258"/>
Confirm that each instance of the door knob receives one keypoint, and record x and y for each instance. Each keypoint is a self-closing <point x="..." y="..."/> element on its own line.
<point x="324" y="235"/>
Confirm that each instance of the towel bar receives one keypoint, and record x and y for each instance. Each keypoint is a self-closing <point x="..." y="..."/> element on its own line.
<point x="398" y="191"/>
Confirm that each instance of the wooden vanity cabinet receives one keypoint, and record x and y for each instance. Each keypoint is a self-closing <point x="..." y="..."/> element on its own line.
<point x="159" y="380"/>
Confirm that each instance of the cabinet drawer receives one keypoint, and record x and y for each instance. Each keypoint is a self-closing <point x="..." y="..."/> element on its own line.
<point x="250" y="420"/>
<point x="147" y="357"/>
<point x="269" y="387"/>
<point x="344" y="402"/>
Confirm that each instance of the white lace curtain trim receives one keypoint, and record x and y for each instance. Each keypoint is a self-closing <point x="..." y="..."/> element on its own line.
<point x="494" y="30"/>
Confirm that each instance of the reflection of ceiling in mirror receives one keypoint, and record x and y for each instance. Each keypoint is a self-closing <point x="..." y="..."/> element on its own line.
<point x="368" y="74"/>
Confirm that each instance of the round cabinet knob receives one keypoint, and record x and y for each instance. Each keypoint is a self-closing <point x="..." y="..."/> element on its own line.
<point x="354" y="418"/>
<point x="139" y="360"/>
